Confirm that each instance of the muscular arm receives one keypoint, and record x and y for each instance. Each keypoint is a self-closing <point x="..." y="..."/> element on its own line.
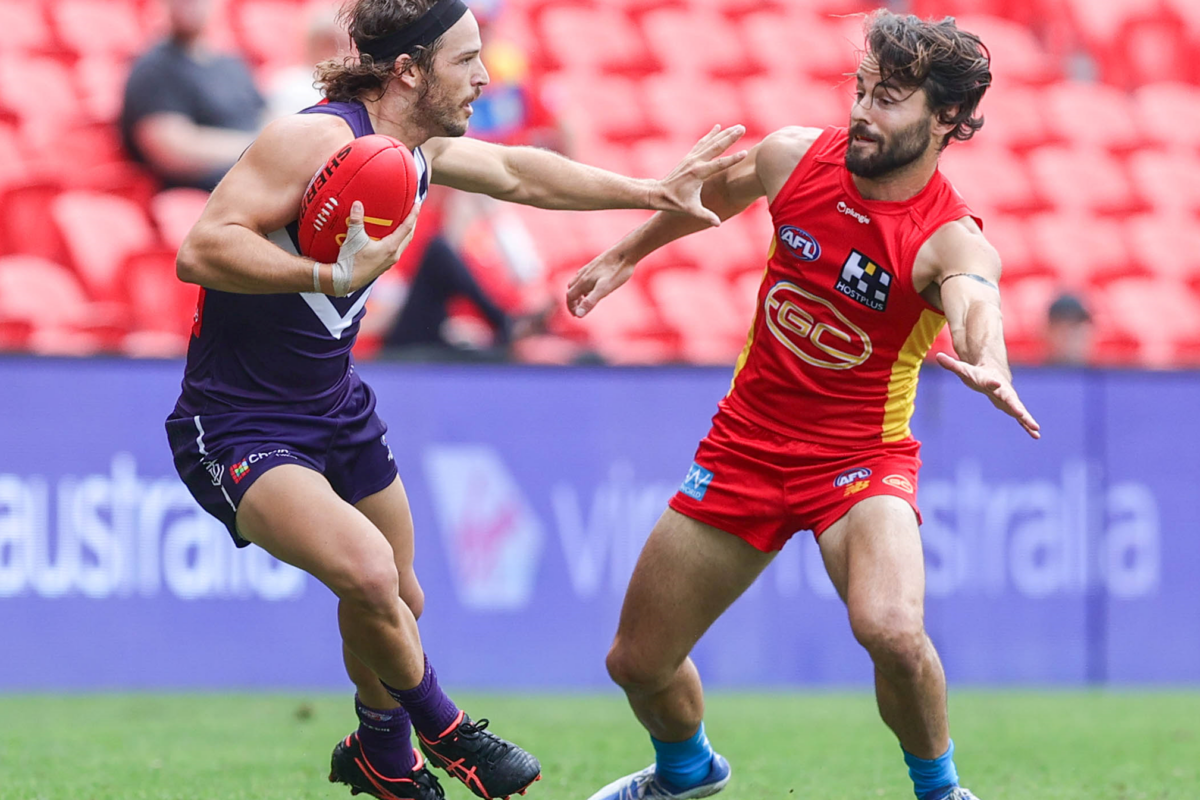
<point x="227" y="249"/>
<point x="959" y="262"/>
<point x="762" y="174"/>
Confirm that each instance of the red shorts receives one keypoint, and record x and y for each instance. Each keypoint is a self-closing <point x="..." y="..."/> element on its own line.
<point x="763" y="486"/>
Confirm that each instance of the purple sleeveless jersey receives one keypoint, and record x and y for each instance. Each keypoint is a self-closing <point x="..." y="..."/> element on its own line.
<point x="270" y="381"/>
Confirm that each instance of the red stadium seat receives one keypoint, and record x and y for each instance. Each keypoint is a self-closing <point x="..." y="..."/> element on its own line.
<point x="101" y="82"/>
<point x="1169" y="113"/>
<point x="49" y="300"/>
<point x="39" y="91"/>
<point x="610" y="105"/>
<point x="25" y="27"/>
<point x="1156" y="312"/>
<point x="990" y="177"/>
<point x="1013" y="118"/>
<point x="24" y="208"/>
<point x="100" y="232"/>
<point x="14" y="168"/>
<point x="1165" y="246"/>
<point x="772" y="104"/>
<point x="1010" y="236"/>
<point x="1017" y="56"/>
<point x="106" y="27"/>
<point x="1091" y="113"/>
<point x="1168" y="181"/>
<point x="688" y="113"/>
<point x="271" y="31"/>
<point x="175" y="211"/>
<point x="1084" y="178"/>
<point x="593" y="39"/>
<point x="162" y="306"/>
<point x="1146" y="51"/>
<point x="790" y="43"/>
<point x="697" y="305"/>
<point x="1026" y="303"/>
<point x="695" y="41"/>
<point x="1080" y="249"/>
<point x="1101" y="23"/>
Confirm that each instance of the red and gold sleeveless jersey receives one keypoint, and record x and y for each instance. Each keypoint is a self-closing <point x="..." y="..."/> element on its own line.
<point x="840" y="332"/>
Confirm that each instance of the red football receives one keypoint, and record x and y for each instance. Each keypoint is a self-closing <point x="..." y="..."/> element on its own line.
<point x="376" y="169"/>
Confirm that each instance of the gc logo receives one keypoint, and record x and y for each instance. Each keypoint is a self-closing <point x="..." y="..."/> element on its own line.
<point x="840" y="345"/>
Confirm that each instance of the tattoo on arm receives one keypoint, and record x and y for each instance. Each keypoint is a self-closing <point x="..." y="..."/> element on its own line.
<point x="972" y="276"/>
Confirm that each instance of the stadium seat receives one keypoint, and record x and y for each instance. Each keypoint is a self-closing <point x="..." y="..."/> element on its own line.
<point x="14" y="168"/>
<point x="1091" y="113"/>
<point x="162" y="307"/>
<point x="1169" y="113"/>
<point x="25" y="27"/>
<point x="1017" y="56"/>
<point x="270" y="31"/>
<point x="1026" y="303"/>
<point x="772" y="104"/>
<point x="105" y="27"/>
<point x="1080" y="249"/>
<point x="1013" y="118"/>
<point x="990" y="178"/>
<point x="24" y="208"/>
<point x="1101" y="23"/>
<point x="1164" y="246"/>
<point x="697" y="306"/>
<point x="690" y="114"/>
<point x="1147" y="50"/>
<point x="49" y="299"/>
<point x="608" y="105"/>
<point x="1082" y="177"/>
<point x="100" y="231"/>
<point x="1010" y="236"/>
<point x="593" y="39"/>
<point x="1156" y="312"/>
<point x="39" y="91"/>
<point x="1169" y="181"/>
<point x="697" y="42"/>
<point x="101" y="83"/>
<point x="175" y="211"/>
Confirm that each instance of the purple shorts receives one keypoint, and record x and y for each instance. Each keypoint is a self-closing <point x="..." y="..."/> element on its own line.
<point x="220" y="455"/>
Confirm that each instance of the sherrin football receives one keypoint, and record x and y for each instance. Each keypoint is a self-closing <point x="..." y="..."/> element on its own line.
<point x="377" y="170"/>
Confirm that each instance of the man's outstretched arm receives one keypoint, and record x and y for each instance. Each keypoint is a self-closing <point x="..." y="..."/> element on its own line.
<point x="968" y="273"/>
<point x="763" y="173"/>
<point x="541" y="178"/>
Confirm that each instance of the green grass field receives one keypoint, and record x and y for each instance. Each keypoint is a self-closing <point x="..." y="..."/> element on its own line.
<point x="1070" y="745"/>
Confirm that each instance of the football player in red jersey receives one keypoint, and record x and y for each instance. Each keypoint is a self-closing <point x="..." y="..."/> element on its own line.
<point x="874" y="251"/>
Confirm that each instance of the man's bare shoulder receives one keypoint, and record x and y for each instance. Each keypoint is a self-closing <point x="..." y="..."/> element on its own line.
<point x="301" y="142"/>
<point x="779" y="154"/>
<point x="958" y="246"/>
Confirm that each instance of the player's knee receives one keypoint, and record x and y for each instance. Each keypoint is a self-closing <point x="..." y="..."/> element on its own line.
<point x="632" y="670"/>
<point x="372" y="584"/>
<point x="890" y="635"/>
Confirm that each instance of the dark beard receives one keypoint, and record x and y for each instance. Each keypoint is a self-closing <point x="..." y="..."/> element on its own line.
<point x="905" y="147"/>
<point x="432" y="111"/>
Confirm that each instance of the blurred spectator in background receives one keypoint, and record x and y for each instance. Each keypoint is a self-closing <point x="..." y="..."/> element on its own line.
<point x="293" y="88"/>
<point x="189" y="112"/>
<point x="1068" y="332"/>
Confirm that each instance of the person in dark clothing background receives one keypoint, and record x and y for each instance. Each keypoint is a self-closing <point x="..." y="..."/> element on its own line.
<point x="189" y="111"/>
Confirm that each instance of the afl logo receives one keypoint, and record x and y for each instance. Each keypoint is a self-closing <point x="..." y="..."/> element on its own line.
<point x="813" y="330"/>
<point x="800" y="242"/>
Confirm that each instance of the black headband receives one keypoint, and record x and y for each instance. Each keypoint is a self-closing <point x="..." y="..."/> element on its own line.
<point x="422" y="32"/>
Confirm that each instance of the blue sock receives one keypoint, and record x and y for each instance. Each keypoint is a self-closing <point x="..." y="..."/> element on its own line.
<point x="682" y="765"/>
<point x="932" y="778"/>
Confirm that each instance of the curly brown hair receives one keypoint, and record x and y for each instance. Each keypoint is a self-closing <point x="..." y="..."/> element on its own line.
<point x="357" y="76"/>
<point x="953" y="66"/>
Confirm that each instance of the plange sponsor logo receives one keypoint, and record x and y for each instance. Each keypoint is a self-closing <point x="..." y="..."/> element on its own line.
<point x="800" y="242"/>
<point x="833" y="342"/>
<point x="850" y="212"/>
<point x="851" y="475"/>
<point x="865" y="282"/>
